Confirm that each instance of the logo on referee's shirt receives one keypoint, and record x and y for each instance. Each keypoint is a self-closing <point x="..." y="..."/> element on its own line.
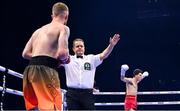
<point x="87" y="66"/>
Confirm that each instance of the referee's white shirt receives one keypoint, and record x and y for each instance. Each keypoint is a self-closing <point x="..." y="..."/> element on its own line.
<point x="80" y="72"/>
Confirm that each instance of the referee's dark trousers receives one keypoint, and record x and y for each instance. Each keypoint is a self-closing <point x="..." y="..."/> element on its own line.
<point x="80" y="99"/>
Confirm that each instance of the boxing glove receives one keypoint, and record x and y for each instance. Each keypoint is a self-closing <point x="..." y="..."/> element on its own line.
<point x="145" y="74"/>
<point x="65" y="61"/>
<point x="124" y="68"/>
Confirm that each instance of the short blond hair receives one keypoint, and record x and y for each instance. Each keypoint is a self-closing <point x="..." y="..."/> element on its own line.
<point x="59" y="8"/>
<point x="77" y="39"/>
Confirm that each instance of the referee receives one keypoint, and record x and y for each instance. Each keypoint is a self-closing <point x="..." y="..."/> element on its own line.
<point x="80" y="73"/>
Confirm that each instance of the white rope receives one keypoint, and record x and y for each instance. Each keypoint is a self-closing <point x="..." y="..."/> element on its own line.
<point x="109" y="93"/>
<point x="12" y="91"/>
<point x="99" y="93"/>
<point x="16" y="92"/>
<point x="3" y="69"/>
<point x="139" y="93"/>
<point x="20" y="93"/>
<point x="140" y="103"/>
<point x="109" y="104"/>
<point x="11" y="72"/>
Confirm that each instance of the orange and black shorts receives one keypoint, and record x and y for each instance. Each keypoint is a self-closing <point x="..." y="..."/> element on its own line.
<point x="41" y="84"/>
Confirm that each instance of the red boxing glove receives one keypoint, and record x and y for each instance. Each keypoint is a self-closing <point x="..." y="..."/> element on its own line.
<point x="65" y="61"/>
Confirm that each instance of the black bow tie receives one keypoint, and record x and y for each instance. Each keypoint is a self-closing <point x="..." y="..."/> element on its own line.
<point x="79" y="57"/>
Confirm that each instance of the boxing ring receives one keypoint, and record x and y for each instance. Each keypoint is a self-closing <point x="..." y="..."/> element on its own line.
<point x="4" y="90"/>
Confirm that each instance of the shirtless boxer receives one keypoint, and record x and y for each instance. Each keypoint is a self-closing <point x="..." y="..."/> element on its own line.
<point x="130" y="103"/>
<point x="47" y="46"/>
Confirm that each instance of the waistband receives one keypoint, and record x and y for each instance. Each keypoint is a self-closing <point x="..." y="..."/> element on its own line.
<point x="130" y="95"/>
<point x="80" y="90"/>
<point x="44" y="60"/>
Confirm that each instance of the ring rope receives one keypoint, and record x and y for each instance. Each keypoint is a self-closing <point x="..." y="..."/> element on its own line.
<point x="139" y="93"/>
<point x="16" y="92"/>
<point x="11" y="72"/>
<point x="12" y="91"/>
<point x="141" y="103"/>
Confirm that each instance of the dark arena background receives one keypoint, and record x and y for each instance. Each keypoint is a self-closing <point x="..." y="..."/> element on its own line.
<point x="150" y="40"/>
